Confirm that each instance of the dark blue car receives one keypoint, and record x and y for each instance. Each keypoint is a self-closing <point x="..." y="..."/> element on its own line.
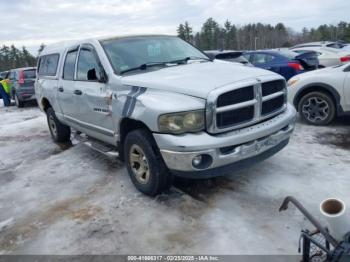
<point x="283" y="62"/>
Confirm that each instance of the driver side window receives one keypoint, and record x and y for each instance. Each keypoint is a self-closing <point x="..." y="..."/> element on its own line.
<point x="88" y="66"/>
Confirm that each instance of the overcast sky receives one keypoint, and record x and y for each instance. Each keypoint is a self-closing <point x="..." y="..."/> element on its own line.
<point x="31" y="22"/>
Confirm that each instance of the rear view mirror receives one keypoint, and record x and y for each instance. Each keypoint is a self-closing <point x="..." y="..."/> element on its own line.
<point x="91" y="75"/>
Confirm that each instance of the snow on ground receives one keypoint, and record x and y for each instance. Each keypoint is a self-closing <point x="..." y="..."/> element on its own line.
<point x="62" y="199"/>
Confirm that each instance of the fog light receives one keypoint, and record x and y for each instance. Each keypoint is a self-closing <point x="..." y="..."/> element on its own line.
<point x="197" y="160"/>
<point x="202" y="161"/>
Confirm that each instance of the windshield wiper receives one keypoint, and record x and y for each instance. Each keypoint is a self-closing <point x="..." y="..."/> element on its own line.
<point x="199" y="58"/>
<point x="144" y="66"/>
<point x="186" y="59"/>
<point x="178" y="61"/>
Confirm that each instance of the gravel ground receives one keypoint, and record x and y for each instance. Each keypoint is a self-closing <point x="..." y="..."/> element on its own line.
<point x="69" y="199"/>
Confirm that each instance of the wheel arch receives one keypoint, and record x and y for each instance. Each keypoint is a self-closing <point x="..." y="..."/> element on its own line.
<point x="319" y="87"/>
<point x="126" y="126"/>
<point x="45" y="104"/>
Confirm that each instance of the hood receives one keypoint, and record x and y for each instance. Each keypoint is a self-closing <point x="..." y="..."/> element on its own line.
<point x="322" y="71"/>
<point x="195" y="79"/>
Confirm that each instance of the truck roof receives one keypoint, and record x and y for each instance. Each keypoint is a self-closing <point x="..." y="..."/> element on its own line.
<point x="60" y="46"/>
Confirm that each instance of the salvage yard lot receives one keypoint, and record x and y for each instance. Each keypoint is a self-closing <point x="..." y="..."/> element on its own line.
<point x="61" y="199"/>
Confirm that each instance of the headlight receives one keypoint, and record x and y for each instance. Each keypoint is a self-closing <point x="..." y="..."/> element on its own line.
<point x="178" y="123"/>
<point x="292" y="81"/>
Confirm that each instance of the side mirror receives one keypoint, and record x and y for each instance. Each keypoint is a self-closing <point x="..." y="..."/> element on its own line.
<point x="103" y="77"/>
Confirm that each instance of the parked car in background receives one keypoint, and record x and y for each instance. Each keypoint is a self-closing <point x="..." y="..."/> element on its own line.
<point x="326" y="55"/>
<point x="283" y="62"/>
<point x="331" y="44"/>
<point x="22" y="82"/>
<point x="346" y="47"/>
<point x="163" y="106"/>
<point x="228" y="55"/>
<point x="319" y="96"/>
<point x="3" y="74"/>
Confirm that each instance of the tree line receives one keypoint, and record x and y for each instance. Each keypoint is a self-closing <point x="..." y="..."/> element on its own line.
<point x="252" y="36"/>
<point x="212" y="35"/>
<point x="12" y="57"/>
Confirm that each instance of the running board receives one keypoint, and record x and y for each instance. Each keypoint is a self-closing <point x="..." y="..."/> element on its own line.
<point x="99" y="146"/>
<point x="103" y="148"/>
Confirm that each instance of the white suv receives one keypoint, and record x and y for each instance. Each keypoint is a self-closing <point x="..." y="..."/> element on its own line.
<point x="321" y="95"/>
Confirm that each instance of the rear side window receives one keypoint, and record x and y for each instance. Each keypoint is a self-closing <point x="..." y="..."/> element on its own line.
<point x="262" y="58"/>
<point x="29" y="74"/>
<point x="48" y="65"/>
<point x="69" y="65"/>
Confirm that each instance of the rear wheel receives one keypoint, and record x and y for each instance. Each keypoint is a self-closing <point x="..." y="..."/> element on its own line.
<point x="59" y="132"/>
<point x="145" y="165"/>
<point x="317" y="108"/>
<point x="18" y="102"/>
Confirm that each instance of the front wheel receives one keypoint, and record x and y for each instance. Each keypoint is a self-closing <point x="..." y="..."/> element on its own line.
<point x="145" y="165"/>
<point x="317" y="108"/>
<point x="60" y="133"/>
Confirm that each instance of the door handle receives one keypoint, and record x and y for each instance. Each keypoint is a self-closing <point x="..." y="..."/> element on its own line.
<point x="60" y="89"/>
<point x="78" y="92"/>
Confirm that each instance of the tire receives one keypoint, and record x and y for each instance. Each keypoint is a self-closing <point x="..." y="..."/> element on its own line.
<point x="142" y="156"/>
<point x="60" y="133"/>
<point x="18" y="102"/>
<point x="317" y="108"/>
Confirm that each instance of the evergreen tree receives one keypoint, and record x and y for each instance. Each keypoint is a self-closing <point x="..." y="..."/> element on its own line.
<point x="188" y="32"/>
<point x="210" y="35"/>
<point x="12" y="57"/>
<point x="181" y="32"/>
<point x="229" y="36"/>
<point x="41" y="48"/>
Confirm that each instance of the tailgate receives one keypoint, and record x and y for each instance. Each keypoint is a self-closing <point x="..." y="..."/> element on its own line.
<point x="28" y="78"/>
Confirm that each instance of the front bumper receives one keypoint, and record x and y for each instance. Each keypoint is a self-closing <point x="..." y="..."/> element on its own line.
<point x="227" y="148"/>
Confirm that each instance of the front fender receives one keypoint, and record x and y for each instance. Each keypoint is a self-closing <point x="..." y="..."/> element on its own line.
<point x="146" y="104"/>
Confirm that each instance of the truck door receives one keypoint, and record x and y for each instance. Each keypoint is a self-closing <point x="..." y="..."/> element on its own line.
<point x="65" y="90"/>
<point x="47" y="77"/>
<point x="92" y="93"/>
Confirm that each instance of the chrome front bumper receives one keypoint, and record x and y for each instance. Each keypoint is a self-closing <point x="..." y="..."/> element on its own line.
<point x="179" y="151"/>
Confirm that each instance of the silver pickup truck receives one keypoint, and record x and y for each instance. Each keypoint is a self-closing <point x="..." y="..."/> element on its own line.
<point x="163" y="107"/>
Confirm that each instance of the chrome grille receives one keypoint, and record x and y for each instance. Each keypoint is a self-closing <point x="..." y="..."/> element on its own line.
<point x="241" y="106"/>
<point x="236" y="96"/>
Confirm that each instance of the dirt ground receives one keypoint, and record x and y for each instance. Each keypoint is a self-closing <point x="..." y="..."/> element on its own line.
<point x="69" y="199"/>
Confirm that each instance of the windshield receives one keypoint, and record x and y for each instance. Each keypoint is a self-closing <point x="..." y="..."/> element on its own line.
<point x="132" y="52"/>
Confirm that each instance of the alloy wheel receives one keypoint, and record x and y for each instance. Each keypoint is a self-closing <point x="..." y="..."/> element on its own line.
<point x="139" y="164"/>
<point x="315" y="109"/>
<point x="52" y="125"/>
